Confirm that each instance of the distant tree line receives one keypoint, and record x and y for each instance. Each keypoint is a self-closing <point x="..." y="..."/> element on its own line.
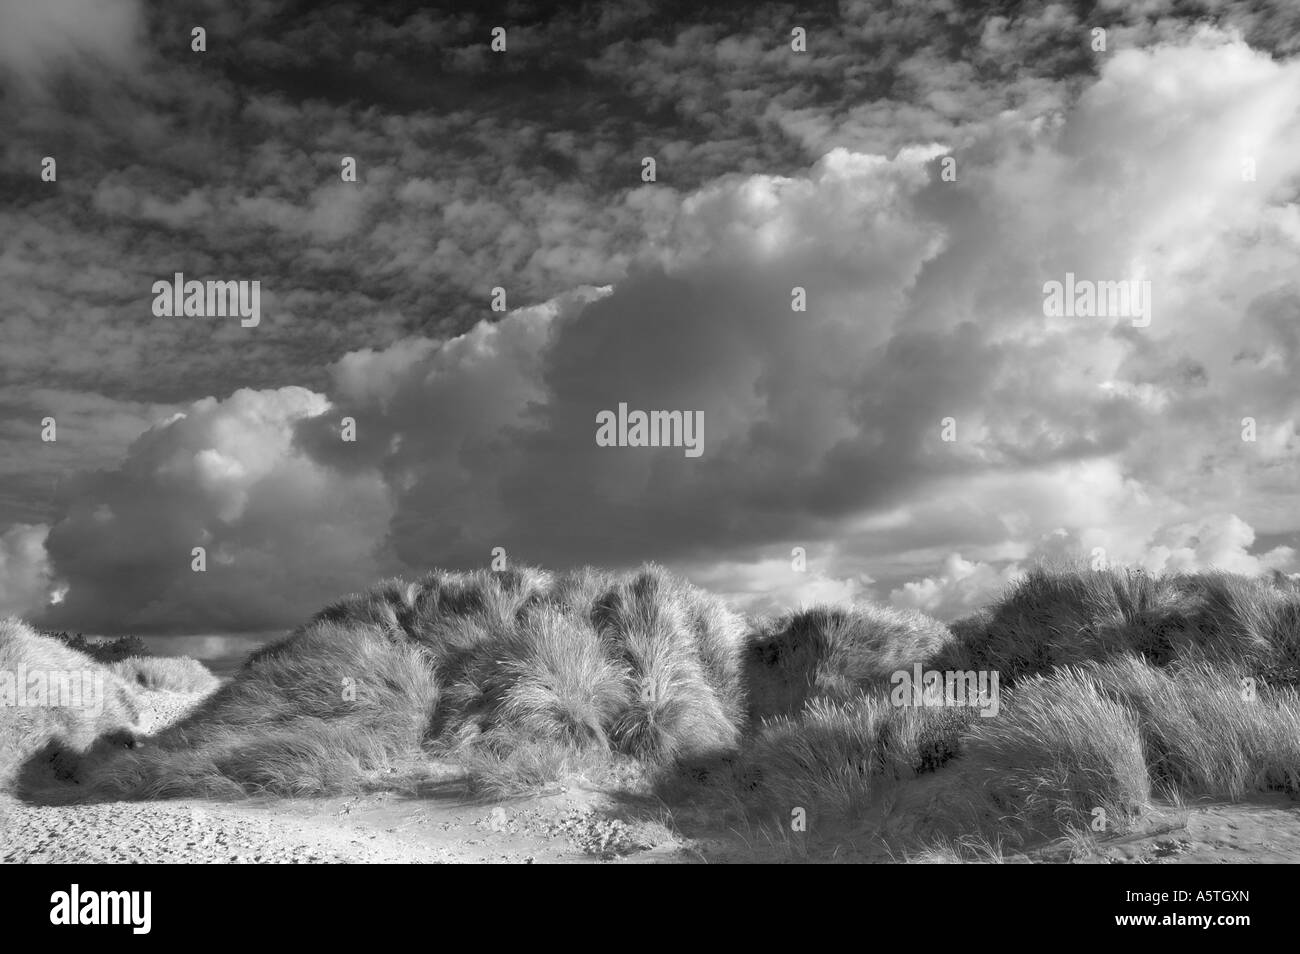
<point x="102" y="650"/>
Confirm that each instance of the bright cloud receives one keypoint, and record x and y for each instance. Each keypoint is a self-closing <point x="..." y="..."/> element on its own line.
<point x="25" y="584"/>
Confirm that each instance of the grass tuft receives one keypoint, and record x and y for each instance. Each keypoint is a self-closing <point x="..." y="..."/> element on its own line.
<point x="169" y="673"/>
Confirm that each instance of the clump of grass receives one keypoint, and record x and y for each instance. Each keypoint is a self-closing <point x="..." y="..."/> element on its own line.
<point x="682" y="663"/>
<point x="558" y="681"/>
<point x="517" y="675"/>
<point x="1062" y="617"/>
<point x="37" y="740"/>
<point x="833" y="758"/>
<point x="1061" y="749"/>
<point x="588" y="671"/>
<point x="1109" y="735"/>
<point x="943" y="849"/>
<point x="171" y="673"/>
<point x="500" y="764"/>
<point x="549" y="677"/>
<point x="828" y="758"/>
<point x="1206" y="730"/>
<point x="331" y="706"/>
<point x="1055" y="617"/>
<point x="835" y="653"/>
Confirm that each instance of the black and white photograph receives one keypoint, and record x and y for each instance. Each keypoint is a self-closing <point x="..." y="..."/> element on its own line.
<point x="650" y="432"/>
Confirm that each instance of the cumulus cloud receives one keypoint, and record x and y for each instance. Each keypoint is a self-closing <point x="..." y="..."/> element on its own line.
<point x="1221" y="541"/>
<point x="776" y="585"/>
<point x="925" y="302"/>
<point x="281" y="533"/>
<point x="24" y="570"/>
<point x="1213" y="542"/>
<point x="960" y="587"/>
<point x="494" y="431"/>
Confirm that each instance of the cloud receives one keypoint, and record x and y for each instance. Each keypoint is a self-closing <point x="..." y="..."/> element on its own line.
<point x="41" y="38"/>
<point x="823" y="428"/>
<point x="925" y="302"/>
<point x="1213" y="542"/>
<point x="24" y="569"/>
<point x="777" y="585"/>
<point x="282" y="534"/>
<point x="1219" y="541"/>
<point x="490" y="435"/>
<point x="961" y="587"/>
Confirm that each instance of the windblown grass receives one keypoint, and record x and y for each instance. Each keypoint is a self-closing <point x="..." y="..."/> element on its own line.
<point x="517" y="675"/>
<point x="681" y="656"/>
<point x="833" y="758"/>
<point x="1206" y="730"/>
<point x="324" y="711"/>
<point x="1065" y="617"/>
<point x="835" y="653"/>
<point x="1113" y="735"/>
<point x="1119" y="689"/>
<point x="48" y="733"/>
<point x="170" y="673"/>
<point x="590" y="673"/>
<point x="1060" y="751"/>
<point x="1127" y="687"/>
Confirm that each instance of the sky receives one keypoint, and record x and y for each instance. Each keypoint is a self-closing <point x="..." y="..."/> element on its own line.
<point x="919" y="434"/>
